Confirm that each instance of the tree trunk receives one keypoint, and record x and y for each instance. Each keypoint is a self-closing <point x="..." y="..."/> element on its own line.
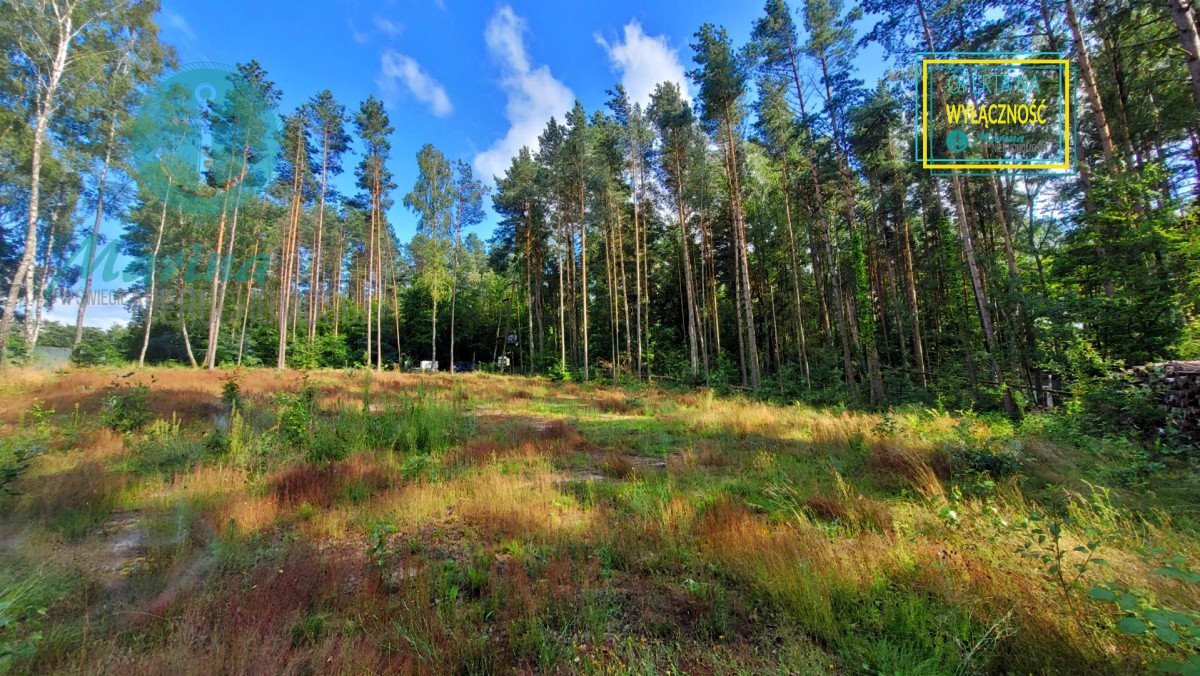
<point x="314" y="280"/>
<point x="289" y="251"/>
<point x="246" y="312"/>
<point x="562" y="317"/>
<point x="802" y="343"/>
<point x="964" y="226"/>
<point x="874" y="377"/>
<point x="1185" y="22"/>
<point x="162" y="222"/>
<point x="583" y="282"/>
<point x="187" y="342"/>
<point x="101" y="184"/>
<point x="739" y="223"/>
<point x="1089" y="82"/>
<point x="690" y="292"/>
<point x="454" y="284"/>
<point x="637" y="256"/>
<point x="39" y="299"/>
<point x="45" y="109"/>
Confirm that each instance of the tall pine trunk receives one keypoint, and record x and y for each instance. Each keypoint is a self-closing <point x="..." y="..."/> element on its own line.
<point x="1185" y="21"/>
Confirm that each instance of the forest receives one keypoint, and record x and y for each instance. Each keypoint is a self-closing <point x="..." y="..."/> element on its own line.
<point x="732" y="384"/>
<point x="770" y="235"/>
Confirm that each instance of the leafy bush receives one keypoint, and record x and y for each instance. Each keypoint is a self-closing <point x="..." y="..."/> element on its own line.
<point x="126" y="407"/>
<point x="1113" y="405"/>
<point x="231" y="391"/>
<point x="165" y="450"/>
<point x="297" y="413"/>
<point x="1145" y="616"/>
<point x="13" y="464"/>
<point x="994" y="456"/>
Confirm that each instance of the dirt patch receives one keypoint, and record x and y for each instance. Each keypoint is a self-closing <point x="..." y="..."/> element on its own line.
<point x="118" y="549"/>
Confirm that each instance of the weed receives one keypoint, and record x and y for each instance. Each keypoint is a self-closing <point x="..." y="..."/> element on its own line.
<point x="126" y="407"/>
<point x="19" y="623"/>
<point x="38" y="417"/>
<point x="14" y="462"/>
<point x="231" y="391"/>
<point x="309" y="629"/>
<point x="1045" y="546"/>
<point x="297" y="413"/>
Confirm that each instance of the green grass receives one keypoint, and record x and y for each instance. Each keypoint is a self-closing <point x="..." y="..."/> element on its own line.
<point x="776" y="539"/>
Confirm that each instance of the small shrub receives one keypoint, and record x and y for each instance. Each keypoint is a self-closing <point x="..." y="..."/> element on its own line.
<point x="1146" y="616"/>
<point x="1064" y="564"/>
<point x="994" y="456"/>
<point x="309" y="629"/>
<point x="37" y="416"/>
<point x="231" y="391"/>
<point x="328" y="443"/>
<point x="13" y="464"/>
<point x="165" y="450"/>
<point x="296" y="414"/>
<point x="126" y="407"/>
<point x="1114" y="405"/>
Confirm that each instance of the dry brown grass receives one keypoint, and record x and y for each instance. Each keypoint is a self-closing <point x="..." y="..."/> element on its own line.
<point x="543" y="441"/>
<point x="615" y="403"/>
<point x="923" y="469"/>
<point x="321" y="485"/>
<point x="86" y="485"/>
<point x="616" y="465"/>
<point x="795" y="564"/>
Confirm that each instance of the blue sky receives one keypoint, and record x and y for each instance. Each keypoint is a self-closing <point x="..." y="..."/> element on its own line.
<point x="476" y="79"/>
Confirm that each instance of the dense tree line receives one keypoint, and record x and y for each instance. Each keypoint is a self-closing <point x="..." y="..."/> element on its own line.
<point x="772" y="234"/>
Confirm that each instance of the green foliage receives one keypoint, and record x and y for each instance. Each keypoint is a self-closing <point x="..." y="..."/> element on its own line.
<point x="231" y="391"/>
<point x="99" y="348"/>
<point x="309" y="629"/>
<point x="14" y="462"/>
<point x="1116" y="405"/>
<point x="996" y="456"/>
<point x="1123" y="268"/>
<point x="165" y="450"/>
<point x="1044" y="546"/>
<point x="296" y="414"/>
<point x="18" y="450"/>
<point x="324" y="351"/>
<point x="1145" y="616"/>
<point x="126" y="406"/>
<point x="20" y="621"/>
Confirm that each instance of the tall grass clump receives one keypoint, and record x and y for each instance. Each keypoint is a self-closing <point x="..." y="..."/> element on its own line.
<point x="417" y="425"/>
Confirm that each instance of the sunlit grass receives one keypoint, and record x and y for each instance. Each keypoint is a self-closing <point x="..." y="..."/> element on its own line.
<point x="399" y="517"/>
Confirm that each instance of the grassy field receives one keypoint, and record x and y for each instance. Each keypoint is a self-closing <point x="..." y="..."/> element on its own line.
<point x="181" y="521"/>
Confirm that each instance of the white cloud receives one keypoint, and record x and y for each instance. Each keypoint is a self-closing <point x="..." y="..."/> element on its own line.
<point x="100" y="315"/>
<point x="387" y="26"/>
<point x="644" y="61"/>
<point x="398" y="70"/>
<point x="176" y="21"/>
<point x="361" y="37"/>
<point x="533" y="93"/>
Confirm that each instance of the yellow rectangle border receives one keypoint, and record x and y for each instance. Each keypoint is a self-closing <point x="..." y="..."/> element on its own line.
<point x="926" y="143"/>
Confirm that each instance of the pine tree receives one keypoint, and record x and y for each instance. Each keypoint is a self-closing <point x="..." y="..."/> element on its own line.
<point x="433" y="198"/>
<point x="722" y="81"/>
<point x="375" y="179"/>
